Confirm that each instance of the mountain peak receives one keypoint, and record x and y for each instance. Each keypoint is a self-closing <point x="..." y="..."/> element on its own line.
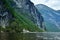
<point x="44" y="7"/>
<point x="41" y="5"/>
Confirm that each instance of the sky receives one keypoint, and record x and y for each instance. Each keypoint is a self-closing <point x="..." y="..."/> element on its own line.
<point x="54" y="4"/>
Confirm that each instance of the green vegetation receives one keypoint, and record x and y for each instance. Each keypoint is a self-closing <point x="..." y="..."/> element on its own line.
<point x="20" y="21"/>
<point x="17" y="25"/>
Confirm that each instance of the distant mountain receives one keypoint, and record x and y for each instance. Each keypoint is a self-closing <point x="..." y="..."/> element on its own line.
<point x="51" y="17"/>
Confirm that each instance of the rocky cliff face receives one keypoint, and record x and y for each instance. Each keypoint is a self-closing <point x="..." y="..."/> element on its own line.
<point x="4" y="15"/>
<point x="27" y="7"/>
<point x="24" y="6"/>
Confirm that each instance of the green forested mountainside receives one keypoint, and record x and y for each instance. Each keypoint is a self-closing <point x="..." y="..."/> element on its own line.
<point x="20" y="22"/>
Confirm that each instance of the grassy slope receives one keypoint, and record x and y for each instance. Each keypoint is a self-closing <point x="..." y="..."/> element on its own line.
<point x="20" y="21"/>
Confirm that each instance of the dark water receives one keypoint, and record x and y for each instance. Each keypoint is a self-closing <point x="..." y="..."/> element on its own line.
<point x="30" y="36"/>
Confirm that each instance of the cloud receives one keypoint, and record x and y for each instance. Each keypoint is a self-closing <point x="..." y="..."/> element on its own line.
<point x="55" y="4"/>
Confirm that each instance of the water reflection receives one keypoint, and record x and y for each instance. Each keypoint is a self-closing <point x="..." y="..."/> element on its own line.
<point x="30" y="36"/>
<point x="42" y="36"/>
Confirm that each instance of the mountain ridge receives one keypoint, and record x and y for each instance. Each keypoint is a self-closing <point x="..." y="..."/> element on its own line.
<point x="50" y="16"/>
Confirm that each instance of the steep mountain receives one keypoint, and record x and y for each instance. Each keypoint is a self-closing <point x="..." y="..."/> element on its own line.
<point x="51" y="17"/>
<point x="20" y="14"/>
<point x="26" y="6"/>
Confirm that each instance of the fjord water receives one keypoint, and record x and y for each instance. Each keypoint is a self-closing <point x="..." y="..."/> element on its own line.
<point x="41" y="36"/>
<point x="31" y="36"/>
